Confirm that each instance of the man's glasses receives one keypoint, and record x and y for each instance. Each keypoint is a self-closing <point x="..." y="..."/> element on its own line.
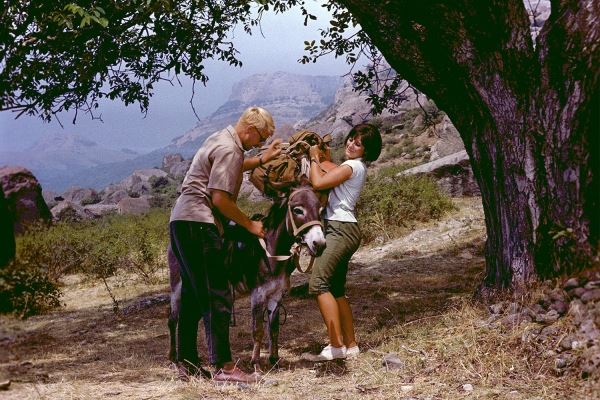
<point x="262" y="138"/>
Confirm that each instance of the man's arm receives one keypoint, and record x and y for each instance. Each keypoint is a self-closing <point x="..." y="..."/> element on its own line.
<point x="227" y="207"/>
<point x="270" y="153"/>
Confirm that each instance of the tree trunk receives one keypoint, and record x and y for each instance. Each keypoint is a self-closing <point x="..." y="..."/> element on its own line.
<point x="528" y="118"/>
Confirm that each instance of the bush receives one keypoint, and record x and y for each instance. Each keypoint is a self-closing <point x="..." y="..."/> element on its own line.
<point x="26" y="289"/>
<point x="390" y="203"/>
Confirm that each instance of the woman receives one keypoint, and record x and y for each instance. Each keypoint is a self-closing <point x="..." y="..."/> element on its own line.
<point x="328" y="278"/>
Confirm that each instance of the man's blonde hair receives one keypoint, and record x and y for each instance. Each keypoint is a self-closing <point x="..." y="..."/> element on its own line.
<point x="260" y="118"/>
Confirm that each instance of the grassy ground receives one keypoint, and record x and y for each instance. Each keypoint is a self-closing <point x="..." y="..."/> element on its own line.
<point x="410" y="296"/>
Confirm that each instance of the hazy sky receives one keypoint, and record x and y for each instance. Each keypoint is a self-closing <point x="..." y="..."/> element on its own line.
<point x="170" y="113"/>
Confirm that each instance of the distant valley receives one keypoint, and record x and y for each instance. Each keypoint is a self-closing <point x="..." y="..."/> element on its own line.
<point x="63" y="161"/>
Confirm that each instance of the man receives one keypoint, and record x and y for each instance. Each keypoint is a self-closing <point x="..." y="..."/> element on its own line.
<point x="207" y="201"/>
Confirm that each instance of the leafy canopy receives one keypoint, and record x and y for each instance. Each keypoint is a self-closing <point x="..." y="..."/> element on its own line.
<point x="60" y="55"/>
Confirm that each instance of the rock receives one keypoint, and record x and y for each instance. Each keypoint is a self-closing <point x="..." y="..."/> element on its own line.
<point x="135" y="206"/>
<point x="512" y="320"/>
<point x="557" y="295"/>
<point x="578" y="292"/>
<point x="449" y="141"/>
<point x="4" y="385"/>
<point x="513" y="308"/>
<point x="571" y="283"/>
<point x="592" y="285"/>
<point x="591" y="361"/>
<point x="169" y="160"/>
<point x="567" y="342"/>
<point x="24" y="198"/>
<point x="453" y="174"/>
<point x="548" y="318"/>
<point x="559" y="306"/>
<point x="68" y="211"/>
<point x="467" y="387"/>
<point x="113" y="194"/>
<point x="7" y="250"/>
<point x="577" y="311"/>
<point x="392" y="361"/>
<point x="139" y="181"/>
<point x="591" y="295"/>
<point x="81" y="196"/>
<point x="100" y="210"/>
<point x="496" y="308"/>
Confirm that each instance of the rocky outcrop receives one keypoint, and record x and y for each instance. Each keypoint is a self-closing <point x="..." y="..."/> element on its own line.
<point x="135" y="206"/>
<point x="175" y="165"/>
<point x="350" y="108"/>
<point x="24" y="197"/>
<point x="565" y="321"/>
<point x="7" y="235"/>
<point x="81" y="196"/>
<point x="453" y="174"/>
<point x="289" y="97"/>
<point x="449" y="140"/>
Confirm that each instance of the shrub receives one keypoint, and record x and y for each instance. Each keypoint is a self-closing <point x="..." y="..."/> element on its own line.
<point x="93" y="198"/>
<point x="390" y="203"/>
<point x="26" y="289"/>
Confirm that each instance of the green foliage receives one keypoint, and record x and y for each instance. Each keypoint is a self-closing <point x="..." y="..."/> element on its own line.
<point x="26" y="289"/>
<point x="390" y="203"/>
<point x="116" y="244"/>
<point x="59" y="55"/>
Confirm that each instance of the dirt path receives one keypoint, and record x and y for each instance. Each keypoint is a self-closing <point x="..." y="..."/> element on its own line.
<point x="86" y="350"/>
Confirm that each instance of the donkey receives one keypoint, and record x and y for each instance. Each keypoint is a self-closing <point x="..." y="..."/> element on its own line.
<point x="292" y="219"/>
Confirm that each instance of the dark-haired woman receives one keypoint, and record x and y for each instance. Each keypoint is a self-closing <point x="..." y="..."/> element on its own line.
<point x="328" y="277"/>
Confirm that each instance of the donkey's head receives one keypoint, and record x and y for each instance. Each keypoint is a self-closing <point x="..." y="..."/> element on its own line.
<point x="304" y="218"/>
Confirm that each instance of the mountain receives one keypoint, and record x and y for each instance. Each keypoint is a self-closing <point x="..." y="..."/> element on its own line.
<point x="350" y="108"/>
<point x="58" y="156"/>
<point x="74" y="161"/>
<point x="288" y="97"/>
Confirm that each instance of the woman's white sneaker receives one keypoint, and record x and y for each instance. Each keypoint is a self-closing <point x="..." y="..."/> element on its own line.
<point x="327" y="354"/>
<point x="352" y="352"/>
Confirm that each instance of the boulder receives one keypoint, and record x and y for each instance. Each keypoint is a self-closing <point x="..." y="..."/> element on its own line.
<point x="179" y="170"/>
<point x="453" y="174"/>
<point x="169" y="160"/>
<point x="139" y="182"/>
<point x="70" y="211"/>
<point x="113" y="194"/>
<point x="449" y="140"/>
<point x="24" y="197"/>
<point x="51" y="198"/>
<point x="81" y="196"/>
<point x="100" y="210"/>
<point x="7" y="235"/>
<point x="135" y="206"/>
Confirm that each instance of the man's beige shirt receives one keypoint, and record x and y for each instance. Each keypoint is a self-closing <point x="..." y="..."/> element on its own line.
<point x="218" y="164"/>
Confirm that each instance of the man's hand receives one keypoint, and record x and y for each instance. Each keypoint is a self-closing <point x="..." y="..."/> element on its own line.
<point x="272" y="151"/>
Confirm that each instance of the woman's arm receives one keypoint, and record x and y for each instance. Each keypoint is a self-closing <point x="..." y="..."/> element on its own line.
<point x="326" y="180"/>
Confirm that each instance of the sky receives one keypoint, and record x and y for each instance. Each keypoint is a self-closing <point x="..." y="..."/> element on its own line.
<point x="170" y="113"/>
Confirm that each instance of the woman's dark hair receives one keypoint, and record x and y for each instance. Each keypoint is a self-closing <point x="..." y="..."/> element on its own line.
<point x="369" y="137"/>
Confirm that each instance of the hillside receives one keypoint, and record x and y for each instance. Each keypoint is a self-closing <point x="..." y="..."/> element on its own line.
<point x="411" y="304"/>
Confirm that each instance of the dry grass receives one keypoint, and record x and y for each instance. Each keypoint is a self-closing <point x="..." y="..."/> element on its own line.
<point x="415" y="304"/>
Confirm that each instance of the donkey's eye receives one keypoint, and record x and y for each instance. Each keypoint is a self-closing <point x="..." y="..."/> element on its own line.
<point x="298" y="210"/>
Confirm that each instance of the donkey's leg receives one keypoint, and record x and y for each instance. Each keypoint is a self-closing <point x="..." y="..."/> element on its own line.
<point x="273" y="310"/>
<point x="257" y="303"/>
<point x="173" y="320"/>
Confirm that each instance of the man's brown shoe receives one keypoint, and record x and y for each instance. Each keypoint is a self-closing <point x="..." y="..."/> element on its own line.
<point x="236" y="375"/>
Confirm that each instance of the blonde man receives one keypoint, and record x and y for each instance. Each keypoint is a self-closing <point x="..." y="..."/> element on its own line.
<point x="207" y="201"/>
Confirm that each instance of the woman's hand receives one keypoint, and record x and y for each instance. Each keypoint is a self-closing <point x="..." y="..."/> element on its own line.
<point x="315" y="152"/>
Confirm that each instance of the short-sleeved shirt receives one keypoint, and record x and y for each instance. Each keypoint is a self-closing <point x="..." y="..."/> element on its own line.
<point x="218" y="164"/>
<point x="343" y="198"/>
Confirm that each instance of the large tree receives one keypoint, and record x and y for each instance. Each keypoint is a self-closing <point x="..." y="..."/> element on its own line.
<point x="528" y="113"/>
